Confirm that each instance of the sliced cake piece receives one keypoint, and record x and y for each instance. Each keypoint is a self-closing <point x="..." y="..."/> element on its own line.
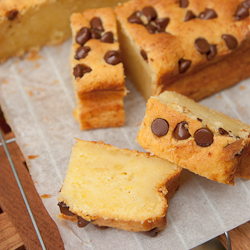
<point x="97" y="70"/>
<point x="195" y="137"/>
<point x="192" y="47"/>
<point x="27" y="25"/>
<point x="119" y="188"/>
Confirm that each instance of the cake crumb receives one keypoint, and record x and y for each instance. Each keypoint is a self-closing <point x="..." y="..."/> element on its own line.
<point x="46" y="196"/>
<point x="55" y="82"/>
<point x="31" y="157"/>
<point x="242" y="87"/>
<point x="219" y="96"/>
<point x="20" y="71"/>
<point x="33" y="56"/>
<point x="30" y="93"/>
<point x="5" y="82"/>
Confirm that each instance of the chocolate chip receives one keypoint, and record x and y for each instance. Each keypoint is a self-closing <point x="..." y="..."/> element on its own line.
<point x="199" y="119"/>
<point x="144" y="55"/>
<point x="64" y="209"/>
<point x="189" y="15"/>
<point x="162" y="23"/>
<point x="202" y="45"/>
<point x="150" y="13"/>
<point x="112" y="57"/>
<point x="12" y="14"/>
<point x="83" y="35"/>
<point x="208" y="14"/>
<point x="203" y="137"/>
<point x="230" y="41"/>
<point x="135" y="18"/>
<point x="181" y="132"/>
<point x="222" y="131"/>
<point x="101" y="227"/>
<point x="160" y="127"/>
<point x="246" y="4"/>
<point x="108" y="37"/>
<point x="96" y="23"/>
<point x="150" y="28"/>
<point x="152" y="233"/>
<point x="79" y="70"/>
<point x="241" y="13"/>
<point x="82" y="52"/>
<point x="212" y="52"/>
<point x="184" y="65"/>
<point x="184" y="3"/>
<point x="81" y="222"/>
<point x="95" y="34"/>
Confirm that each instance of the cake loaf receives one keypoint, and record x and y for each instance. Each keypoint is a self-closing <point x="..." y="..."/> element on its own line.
<point x="97" y="70"/>
<point x="29" y="24"/>
<point x="193" y="47"/>
<point x="195" y="137"/>
<point x="120" y="188"/>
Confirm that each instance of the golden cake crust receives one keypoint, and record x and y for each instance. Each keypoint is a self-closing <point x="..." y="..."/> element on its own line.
<point x="164" y="50"/>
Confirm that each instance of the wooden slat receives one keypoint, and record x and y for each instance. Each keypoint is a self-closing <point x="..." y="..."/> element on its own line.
<point x="9" y="238"/>
<point x="240" y="237"/>
<point x="12" y="203"/>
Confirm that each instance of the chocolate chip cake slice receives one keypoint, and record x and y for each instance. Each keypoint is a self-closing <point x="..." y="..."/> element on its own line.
<point x="195" y="137"/>
<point x="120" y="188"/>
<point x="29" y="24"/>
<point x="97" y="70"/>
<point x="192" y="47"/>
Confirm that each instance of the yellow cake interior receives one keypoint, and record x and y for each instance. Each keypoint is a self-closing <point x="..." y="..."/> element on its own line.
<point x="104" y="181"/>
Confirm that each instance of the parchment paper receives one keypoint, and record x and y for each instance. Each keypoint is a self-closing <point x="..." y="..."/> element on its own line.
<point x="37" y="99"/>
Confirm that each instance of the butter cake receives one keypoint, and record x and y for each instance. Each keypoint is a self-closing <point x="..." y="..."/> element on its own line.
<point x="192" y="47"/>
<point x="29" y="24"/>
<point x="97" y="70"/>
<point x="120" y="188"/>
<point x="195" y="137"/>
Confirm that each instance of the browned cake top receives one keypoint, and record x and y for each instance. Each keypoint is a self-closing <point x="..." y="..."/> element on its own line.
<point x="177" y="36"/>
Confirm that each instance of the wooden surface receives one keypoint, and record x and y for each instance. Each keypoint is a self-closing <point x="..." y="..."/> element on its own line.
<point x="16" y="229"/>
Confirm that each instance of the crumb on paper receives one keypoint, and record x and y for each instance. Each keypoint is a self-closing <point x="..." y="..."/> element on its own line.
<point x="36" y="182"/>
<point x="46" y="196"/>
<point x="55" y="82"/>
<point x="37" y="65"/>
<point x="242" y="87"/>
<point x="20" y="71"/>
<point x="138" y="124"/>
<point x="5" y="82"/>
<point x="31" y="157"/>
<point x="219" y="96"/>
<point x="30" y="93"/>
<point x="33" y="56"/>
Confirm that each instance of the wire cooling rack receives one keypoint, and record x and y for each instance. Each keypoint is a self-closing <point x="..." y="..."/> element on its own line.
<point x="4" y="144"/>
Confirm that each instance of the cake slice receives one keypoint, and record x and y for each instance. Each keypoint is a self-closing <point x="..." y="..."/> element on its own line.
<point x="192" y="47"/>
<point x="97" y="70"/>
<point x="195" y="137"/>
<point x="120" y="188"/>
<point x="27" y="25"/>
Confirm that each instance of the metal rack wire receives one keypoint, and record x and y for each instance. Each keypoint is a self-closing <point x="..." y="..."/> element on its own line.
<point x="4" y="144"/>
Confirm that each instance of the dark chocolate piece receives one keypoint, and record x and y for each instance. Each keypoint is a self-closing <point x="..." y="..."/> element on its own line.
<point x="152" y="233"/>
<point x="83" y="35"/>
<point x="150" y="13"/>
<point x="144" y="55"/>
<point x="81" y="222"/>
<point x="12" y="14"/>
<point x="95" y="34"/>
<point x="184" y="3"/>
<point x="208" y="14"/>
<point x="202" y="45"/>
<point x="135" y="18"/>
<point x="246" y="4"/>
<point x="79" y="70"/>
<point x="162" y="23"/>
<point x="222" y="131"/>
<point x="107" y="37"/>
<point x="150" y="28"/>
<point x="241" y="12"/>
<point x="203" y="137"/>
<point x="160" y="127"/>
<point x="230" y="41"/>
<point x="64" y="209"/>
<point x="199" y="119"/>
<point x="189" y="16"/>
<point x="181" y="132"/>
<point x="96" y="23"/>
<point x="82" y="52"/>
<point x="184" y="65"/>
<point x="212" y="52"/>
<point x="112" y="57"/>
